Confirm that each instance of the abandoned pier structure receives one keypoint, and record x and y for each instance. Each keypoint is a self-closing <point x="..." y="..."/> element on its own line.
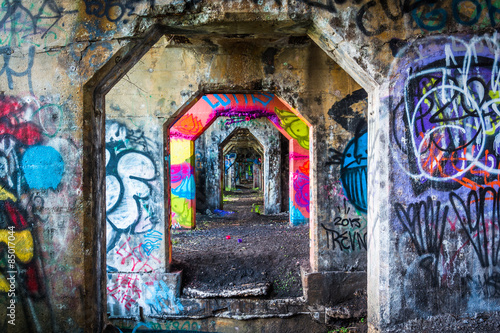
<point x="370" y="124"/>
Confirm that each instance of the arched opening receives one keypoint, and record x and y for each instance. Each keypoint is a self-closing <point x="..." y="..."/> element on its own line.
<point x="241" y="162"/>
<point x="249" y="221"/>
<point x="237" y="108"/>
<point x="242" y="156"/>
<point x="319" y="250"/>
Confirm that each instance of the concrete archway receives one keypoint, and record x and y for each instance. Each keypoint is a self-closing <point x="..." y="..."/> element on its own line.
<point x="237" y="108"/>
<point x="95" y="96"/>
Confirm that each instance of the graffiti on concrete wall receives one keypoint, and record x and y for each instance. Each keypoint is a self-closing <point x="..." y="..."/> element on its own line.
<point x="450" y="121"/>
<point x="349" y="112"/>
<point x="20" y="22"/>
<point x="164" y="326"/>
<point x="445" y="124"/>
<point x="125" y="289"/>
<point x="160" y="298"/>
<point x="353" y="171"/>
<point x="299" y="195"/>
<point x="294" y="126"/>
<point x="374" y="17"/>
<point x="237" y="118"/>
<point x="347" y="232"/>
<point x="154" y="293"/>
<point x="230" y="174"/>
<point x="424" y="222"/>
<point x="133" y="211"/>
<point x="301" y="200"/>
<point x="478" y="217"/>
<point x="182" y="178"/>
<point x="31" y="169"/>
<point x="113" y="10"/>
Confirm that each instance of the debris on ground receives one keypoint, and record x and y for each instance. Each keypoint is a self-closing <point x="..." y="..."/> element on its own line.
<point x="272" y="253"/>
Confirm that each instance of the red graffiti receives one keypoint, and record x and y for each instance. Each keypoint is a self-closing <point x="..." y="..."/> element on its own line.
<point x="17" y="219"/>
<point x="11" y="115"/>
<point x="26" y="133"/>
<point x="125" y="289"/>
<point x="140" y="261"/>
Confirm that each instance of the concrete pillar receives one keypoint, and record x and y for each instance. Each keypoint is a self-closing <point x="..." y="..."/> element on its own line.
<point x="183" y="188"/>
<point x="232" y="176"/>
<point x="272" y="183"/>
<point x="256" y="176"/>
<point x="299" y="180"/>
<point x="225" y="172"/>
<point x="237" y="173"/>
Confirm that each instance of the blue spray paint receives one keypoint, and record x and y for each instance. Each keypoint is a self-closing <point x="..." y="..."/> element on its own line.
<point x="296" y="217"/>
<point x="187" y="189"/>
<point x="43" y="167"/>
<point x="353" y="171"/>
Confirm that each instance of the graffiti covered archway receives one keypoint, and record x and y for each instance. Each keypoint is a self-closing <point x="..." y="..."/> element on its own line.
<point x="236" y="108"/>
<point x="317" y="253"/>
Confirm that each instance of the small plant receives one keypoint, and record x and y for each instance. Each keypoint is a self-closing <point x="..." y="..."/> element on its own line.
<point x="286" y="281"/>
<point x="340" y="330"/>
<point x="256" y="208"/>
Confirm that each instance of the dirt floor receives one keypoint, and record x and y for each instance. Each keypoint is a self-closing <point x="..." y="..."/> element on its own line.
<point x="231" y="251"/>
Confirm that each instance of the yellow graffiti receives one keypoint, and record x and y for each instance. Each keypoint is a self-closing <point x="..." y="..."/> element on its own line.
<point x="294" y="126"/>
<point x="181" y="150"/>
<point x="183" y="213"/>
<point x="21" y="243"/>
<point x="495" y="95"/>
<point x="424" y="91"/>
<point x="6" y="195"/>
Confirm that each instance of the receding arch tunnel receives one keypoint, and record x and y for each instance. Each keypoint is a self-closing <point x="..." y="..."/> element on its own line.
<point x="238" y="108"/>
<point x="307" y="155"/>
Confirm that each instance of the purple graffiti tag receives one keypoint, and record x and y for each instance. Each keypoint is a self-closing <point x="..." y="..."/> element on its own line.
<point x="301" y="187"/>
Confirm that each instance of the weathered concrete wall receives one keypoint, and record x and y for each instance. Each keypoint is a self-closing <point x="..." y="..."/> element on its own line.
<point x="444" y="157"/>
<point x="55" y="54"/>
<point x="294" y="324"/>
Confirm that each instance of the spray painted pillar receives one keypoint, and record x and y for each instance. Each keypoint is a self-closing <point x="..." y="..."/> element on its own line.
<point x="230" y="171"/>
<point x="296" y="131"/>
<point x="237" y="108"/>
<point x="183" y="187"/>
<point x="299" y="178"/>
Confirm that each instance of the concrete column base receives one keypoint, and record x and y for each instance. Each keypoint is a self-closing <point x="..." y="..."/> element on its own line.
<point x="330" y="288"/>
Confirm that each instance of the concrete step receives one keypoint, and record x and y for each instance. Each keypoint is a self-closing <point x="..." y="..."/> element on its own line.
<point x="244" y="290"/>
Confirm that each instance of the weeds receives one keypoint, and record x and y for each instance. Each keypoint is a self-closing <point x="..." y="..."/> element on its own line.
<point x="346" y="329"/>
<point x="286" y="282"/>
<point x="340" y="330"/>
<point x="256" y="208"/>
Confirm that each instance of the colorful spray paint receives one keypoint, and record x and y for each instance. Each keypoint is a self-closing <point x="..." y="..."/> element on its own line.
<point x="236" y="108"/>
